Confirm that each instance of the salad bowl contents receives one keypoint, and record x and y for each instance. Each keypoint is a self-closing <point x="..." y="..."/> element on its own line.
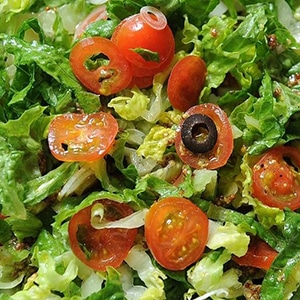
<point x="149" y="149"/>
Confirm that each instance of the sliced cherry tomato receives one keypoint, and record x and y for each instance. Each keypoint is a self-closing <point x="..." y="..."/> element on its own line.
<point x="176" y="232"/>
<point x="145" y="43"/>
<point x="223" y="146"/>
<point x="82" y="137"/>
<point x="276" y="178"/>
<point x="100" y="248"/>
<point x="99" y="66"/>
<point x="99" y="13"/>
<point x="186" y="82"/>
<point x="259" y="255"/>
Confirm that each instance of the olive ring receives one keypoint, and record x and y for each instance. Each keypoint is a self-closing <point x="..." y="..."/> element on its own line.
<point x="191" y="128"/>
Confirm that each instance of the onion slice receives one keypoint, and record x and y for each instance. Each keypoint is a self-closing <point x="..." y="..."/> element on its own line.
<point x="153" y="17"/>
<point x="135" y="220"/>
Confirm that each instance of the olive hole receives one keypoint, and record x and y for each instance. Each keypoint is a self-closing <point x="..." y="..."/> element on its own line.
<point x="200" y="132"/>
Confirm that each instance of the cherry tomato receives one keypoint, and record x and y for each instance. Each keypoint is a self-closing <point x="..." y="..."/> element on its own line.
<point x="99" y="13"/>
<point x="176" y="232"/>
<point x="276" y="178"/>
<point x="186" y="81"/>
<point x="259" y="255"/>
<point x="147" y="45"/>
<point x="82" y="137"/>
<point x="222" y="149"/>
<point x="141" y="82"/>
<point x="99" y="66"/>
<point x="100" y="248"/>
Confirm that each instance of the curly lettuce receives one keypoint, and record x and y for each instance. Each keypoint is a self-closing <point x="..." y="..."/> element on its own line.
<point x="210" y="280"/>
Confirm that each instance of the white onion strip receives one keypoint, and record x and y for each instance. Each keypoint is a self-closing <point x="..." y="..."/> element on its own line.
<point x="135" y="220"/>
<point x="159" y="22"/>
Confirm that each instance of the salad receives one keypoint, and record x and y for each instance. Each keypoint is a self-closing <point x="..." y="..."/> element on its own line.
<point x="149" y="149"/>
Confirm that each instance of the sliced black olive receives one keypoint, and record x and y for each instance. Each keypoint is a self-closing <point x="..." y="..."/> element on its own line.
<point x="199" y="133"/>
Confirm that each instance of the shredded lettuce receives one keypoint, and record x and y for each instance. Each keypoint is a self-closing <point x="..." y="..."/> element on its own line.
<point x="153" y="278"/>
<point x="135" y="220"/>
<point x="130" y="108"/>
<point x="251" y="49"/>
<point x="209" y="279"/>
<point x="156" y="142"/>
<point x="228" y="236"/>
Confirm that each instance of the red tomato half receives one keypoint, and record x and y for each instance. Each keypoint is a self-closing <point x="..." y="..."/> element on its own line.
<point x="222" y="150"/>
<point x="100" y="248"/>
<point x="82" y="137"/>
<point x="137" y="33"/>
<point x="99" y="13"/>
<point x="186" y="81"/>
<point x="99" y="66"/>
<point x="176" y="232"/>
<point x="259" y="255"/>
<point x="276" y="180"/>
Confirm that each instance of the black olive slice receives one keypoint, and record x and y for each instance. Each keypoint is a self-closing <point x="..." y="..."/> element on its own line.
<point x="199" y="133"/>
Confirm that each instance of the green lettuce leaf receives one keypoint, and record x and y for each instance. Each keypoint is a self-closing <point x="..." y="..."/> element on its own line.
<point x="112" y="289"/>
<point x="38" y="189"/>
<point x="156" y="142"/>
<point x="25" y="228"/>
<point x="208" y="277"/>
<point x="10" y="259"/>
<point x="8" y="7"/>
<point x="278" y="283"/>
<point x="153" y="278"/>
<point x="246" y="222"/>
<point x="130" y="108"/>
<point x="55" y="274"/>
<point x="19" y="160"/>
<point x="229" y="236"/>
<point x="52" y="64"/>
<point x="263" y="120"/>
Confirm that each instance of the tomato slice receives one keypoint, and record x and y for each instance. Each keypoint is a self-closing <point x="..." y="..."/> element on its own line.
<point x="176" y="232"/>
<point x="99" y="66"/>
<point x="276" y="180"/>
<point x="82" y="137"/>
<point x="259" y="255"/>
<point x="220" y="153"/>
<point x="100" y="248"/>
<point x="99" y="13"/>
<point x="148" y="49"/>
<point x="186" y="81"/>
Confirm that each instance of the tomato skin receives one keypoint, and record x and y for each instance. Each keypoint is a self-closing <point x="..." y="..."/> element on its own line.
<point x="107" y="246"/>
<point x="82" y="137"/>
<point x="176" y="232"/>
<point x="186" y="81"/>
<point x="275" y="182"/>
<point x="99" y="13"/>
<point x="259" y="255"/>
<point x="105" y="79"/>
<point x="141" y="82"/>
<point x="132" y="33"/>
<point x="221" y="152"/>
